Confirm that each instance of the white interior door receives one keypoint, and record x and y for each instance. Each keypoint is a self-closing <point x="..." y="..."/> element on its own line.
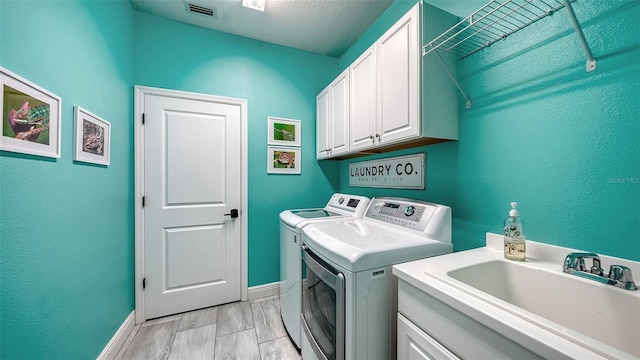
<point x="192" y="176"/>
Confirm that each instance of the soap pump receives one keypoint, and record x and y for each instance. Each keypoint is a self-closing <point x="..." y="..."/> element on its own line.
<point x="514" y="244"/>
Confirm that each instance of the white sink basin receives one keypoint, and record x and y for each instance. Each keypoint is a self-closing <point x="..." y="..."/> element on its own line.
<point x="534" y="303"/>
<point x="600" y="311"/>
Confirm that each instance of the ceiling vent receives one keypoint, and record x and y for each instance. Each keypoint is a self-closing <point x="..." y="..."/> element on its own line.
<point x="204" y="10"/>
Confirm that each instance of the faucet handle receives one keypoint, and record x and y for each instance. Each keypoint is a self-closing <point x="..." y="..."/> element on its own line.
<point x="622" y="277"/>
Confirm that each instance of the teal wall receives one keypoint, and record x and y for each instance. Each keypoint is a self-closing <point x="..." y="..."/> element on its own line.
<point x="277" y="81"/>
<point x="67" y="244"/>
<point x="542" y="131"/>
<point x="66" y="229"/>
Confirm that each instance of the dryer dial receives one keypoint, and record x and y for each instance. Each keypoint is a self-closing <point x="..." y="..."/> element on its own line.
<point x="409" y="210"/>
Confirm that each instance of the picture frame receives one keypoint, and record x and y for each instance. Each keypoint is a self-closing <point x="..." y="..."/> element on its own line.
<point x="92" y="138"/>
<point x="31" y="117"/>
<point x="283" y="160"/>
<point x="284" y="132"/>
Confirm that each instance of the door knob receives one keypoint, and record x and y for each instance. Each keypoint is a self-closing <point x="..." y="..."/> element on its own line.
<point x="233" y="213"/>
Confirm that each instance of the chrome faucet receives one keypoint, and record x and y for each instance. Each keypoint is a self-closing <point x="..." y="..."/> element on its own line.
<point x="619" y="276"/>
<point x="575" y="262"/>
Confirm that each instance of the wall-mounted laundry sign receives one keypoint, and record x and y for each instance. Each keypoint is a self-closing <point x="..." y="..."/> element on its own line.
<point x="400" y="172"/>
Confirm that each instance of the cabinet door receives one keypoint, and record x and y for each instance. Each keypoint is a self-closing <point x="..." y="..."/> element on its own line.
<point x="399" y="80"/>
<point x="339" y="116"/>
<point x="322" y="124"/>
<point x="415" y="344"/>
<point x="363" y="100"/>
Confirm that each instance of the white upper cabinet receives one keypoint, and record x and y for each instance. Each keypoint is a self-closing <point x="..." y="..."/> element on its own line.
<point x="364" y="121"/>
<point x="385" y="87"/>
<point x="399" y="80"/>
<point x="322" y="125"/>
<point x="339" y="94"/>
<point x="332" y="118"/>
<point x="390" y="97"/>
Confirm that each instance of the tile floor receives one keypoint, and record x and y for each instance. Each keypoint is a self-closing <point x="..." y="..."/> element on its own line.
<point x="241" y="330"/>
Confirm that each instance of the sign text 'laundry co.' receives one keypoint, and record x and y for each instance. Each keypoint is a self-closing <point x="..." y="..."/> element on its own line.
<point x="400" y="172"/>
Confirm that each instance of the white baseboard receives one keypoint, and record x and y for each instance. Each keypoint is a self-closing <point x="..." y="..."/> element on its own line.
<point x="111" y="350"/>
<point x="265" y="290"/>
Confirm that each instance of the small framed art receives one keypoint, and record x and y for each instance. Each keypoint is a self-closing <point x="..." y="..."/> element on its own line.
<point x="283" y="160"/>
<point x="31" y="117"/>
<point x="92" y="138"/>
<point x="285" y="132"/>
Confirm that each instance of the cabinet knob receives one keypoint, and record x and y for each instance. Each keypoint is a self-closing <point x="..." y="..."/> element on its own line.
<point x="378" y="136"/>
<point x="371" y="137"/>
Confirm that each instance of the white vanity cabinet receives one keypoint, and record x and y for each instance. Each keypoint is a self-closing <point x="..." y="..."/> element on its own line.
<point x="332" y="118"/>
<point x="434" y="330"/>
<point x="413" y="343"/>
<point x="396" y="99"/>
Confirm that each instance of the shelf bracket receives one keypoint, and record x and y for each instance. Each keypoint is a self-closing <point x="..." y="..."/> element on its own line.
<point x="591" y="61"/>
<point x="453" y="78"/>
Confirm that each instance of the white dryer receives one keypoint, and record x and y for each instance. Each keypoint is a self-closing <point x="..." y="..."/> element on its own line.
<point x="340" y="206"/>
<point x="349" y="293"/>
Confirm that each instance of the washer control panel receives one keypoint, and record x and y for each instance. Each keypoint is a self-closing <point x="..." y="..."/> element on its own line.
<point x="412" y="214"/>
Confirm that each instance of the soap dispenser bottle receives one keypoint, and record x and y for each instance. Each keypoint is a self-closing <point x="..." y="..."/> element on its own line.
<point x="514" y="245"/>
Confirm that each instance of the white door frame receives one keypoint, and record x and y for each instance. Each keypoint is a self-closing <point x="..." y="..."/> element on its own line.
<point x="140" y="92"/>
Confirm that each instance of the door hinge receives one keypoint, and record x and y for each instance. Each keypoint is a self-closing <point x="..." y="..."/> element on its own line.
<point x="144" y="283"/>
<point x="143" y="201"/>
<point x="142" y="118"/>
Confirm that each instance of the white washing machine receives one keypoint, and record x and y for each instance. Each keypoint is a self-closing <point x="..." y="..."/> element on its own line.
<point x="340" y="206"/>
<point x="349" y="293"/>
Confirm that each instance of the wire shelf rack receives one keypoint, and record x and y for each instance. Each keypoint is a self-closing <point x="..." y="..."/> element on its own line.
<point x="491" y="23"/>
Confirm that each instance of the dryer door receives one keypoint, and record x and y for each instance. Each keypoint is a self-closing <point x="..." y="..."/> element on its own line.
<point x="323" y="307"/>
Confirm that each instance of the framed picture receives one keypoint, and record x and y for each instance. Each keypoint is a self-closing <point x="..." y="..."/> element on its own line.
<point x="283" y="160"/>
<point x="31" y="117"/>
<point x="92" y="138"/>
<point x="284" y="132"/>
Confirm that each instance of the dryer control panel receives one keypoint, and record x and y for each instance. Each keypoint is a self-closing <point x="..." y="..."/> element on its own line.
<point x="407" y="213"/>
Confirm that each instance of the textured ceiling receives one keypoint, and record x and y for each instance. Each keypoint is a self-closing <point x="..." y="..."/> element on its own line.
<point x="327" y="27"/>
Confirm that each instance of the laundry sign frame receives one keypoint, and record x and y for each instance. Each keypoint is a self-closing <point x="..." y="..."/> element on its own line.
<point x="399" y="172"/>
